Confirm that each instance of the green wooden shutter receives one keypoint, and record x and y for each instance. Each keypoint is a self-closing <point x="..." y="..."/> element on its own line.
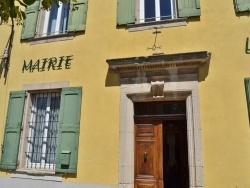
<point x="188" y="8"/>
<point x="12" y="130"/>
<point x="29" y="26"/>
<point x="242" y="5"/>
<point x="78" y="15"/>
<point x="68" y="133"/>
<point x="247" y="87"/>
<point x="125" y="12"/>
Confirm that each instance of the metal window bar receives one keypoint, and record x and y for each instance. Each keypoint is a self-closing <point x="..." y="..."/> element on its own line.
<point x="43" y="129"/>
<point x="173" y="16"/>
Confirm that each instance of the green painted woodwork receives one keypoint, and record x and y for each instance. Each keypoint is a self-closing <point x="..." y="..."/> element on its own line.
<point x="247" y="88"/>
<point x="12" y="130"/>
<point x="77" y="15"/>
<point x="125" y="12"/>
<point x="242" y="5"/>
<point x="29" y="26"/>
<point x="188" y="8"/>
<point x="68" y="133"/>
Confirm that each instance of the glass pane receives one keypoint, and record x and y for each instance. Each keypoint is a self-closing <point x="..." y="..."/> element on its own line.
<point x="165" y="9"/>
<point x="43" y="130"/>
<point x="52" y="19"/>
<point x="38" y="126"/>
<point x="52" y="129"/>
<point x="64" y="17"/>
<point x="149" y="10"/>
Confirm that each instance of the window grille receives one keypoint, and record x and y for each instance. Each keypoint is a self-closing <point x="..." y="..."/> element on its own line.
<point x="43" y="130"/>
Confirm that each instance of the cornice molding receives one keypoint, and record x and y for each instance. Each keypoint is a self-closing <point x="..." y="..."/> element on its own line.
<point x="156" y="62"/>
<point x="163" y="67"/>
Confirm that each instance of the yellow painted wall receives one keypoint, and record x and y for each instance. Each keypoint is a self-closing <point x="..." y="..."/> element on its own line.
<point x="224" y="119"/>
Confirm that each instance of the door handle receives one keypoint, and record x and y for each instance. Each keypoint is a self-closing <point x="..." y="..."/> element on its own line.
<point x="145" y="156"/>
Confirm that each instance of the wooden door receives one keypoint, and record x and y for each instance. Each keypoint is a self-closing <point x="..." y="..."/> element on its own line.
<point x="148" y="156"/>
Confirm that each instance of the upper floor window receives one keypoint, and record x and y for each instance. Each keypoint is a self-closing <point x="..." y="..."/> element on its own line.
<point x="139" y="11"/>
<point x="156" y="10"/>
<point x="55" y="20"/>
<point x="62" y="19"/>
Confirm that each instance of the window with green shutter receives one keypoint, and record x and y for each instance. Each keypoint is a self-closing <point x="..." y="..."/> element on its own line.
<point x="50" y="130"/>
<point x="155" y="10"/>
<point x="57" y="21"/>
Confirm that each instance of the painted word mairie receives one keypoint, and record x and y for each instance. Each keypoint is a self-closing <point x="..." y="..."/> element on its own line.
<point x="46" y="64"/>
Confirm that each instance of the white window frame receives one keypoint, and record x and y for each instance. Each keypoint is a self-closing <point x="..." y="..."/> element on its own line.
<point x="43" y="22"/>
<point x="157" y="10"/>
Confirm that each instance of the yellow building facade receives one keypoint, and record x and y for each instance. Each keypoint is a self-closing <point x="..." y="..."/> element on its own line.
<point x="120" y="86"/>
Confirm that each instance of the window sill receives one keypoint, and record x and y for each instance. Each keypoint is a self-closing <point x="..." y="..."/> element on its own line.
<point x="53" y="38"/>
<point x="36" y="174"/>
<point x="158" y="24"/>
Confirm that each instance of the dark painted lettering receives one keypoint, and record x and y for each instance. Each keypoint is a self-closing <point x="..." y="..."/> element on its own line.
<point x="61" y="59"/>
<point x="52" y="63"/>
<point x="36" y="65"/>
<point x="27" y="67"/>
<point x="48" y="63"/>
<point x="45" y="60"/>
<point x="67" y="61"/>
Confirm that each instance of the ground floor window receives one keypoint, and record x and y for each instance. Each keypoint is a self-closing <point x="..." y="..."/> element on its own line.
<point x="43" y="130"/>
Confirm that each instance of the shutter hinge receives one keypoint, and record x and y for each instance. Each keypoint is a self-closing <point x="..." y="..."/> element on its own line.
<point x="18" y="162"/>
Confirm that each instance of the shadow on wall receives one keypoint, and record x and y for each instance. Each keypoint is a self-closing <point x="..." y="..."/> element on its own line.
<point x="239" y="14"/>
<point x="112" y="78"/>
<point x="69" y="176"/>
<point x="203" y="71"/>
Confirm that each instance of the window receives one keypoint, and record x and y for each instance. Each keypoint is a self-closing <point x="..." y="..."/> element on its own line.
<point x="55" y="20"/>
<point x="156" y="10"/>
<point x="139" y="11"/>
<point x="42" y="130"/>
<point x="68" y="17"/>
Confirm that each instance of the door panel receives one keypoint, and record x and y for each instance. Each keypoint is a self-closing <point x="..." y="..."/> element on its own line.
<point x="145" y="184"/>
<point x="148" y="156"/>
